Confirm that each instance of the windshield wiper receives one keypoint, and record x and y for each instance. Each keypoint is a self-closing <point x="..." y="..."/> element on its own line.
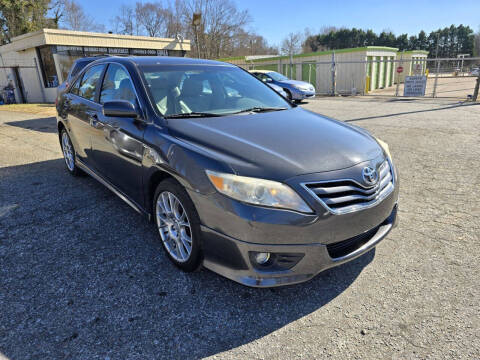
<point x="191" y="115"/>
<point x="258" y="109"/>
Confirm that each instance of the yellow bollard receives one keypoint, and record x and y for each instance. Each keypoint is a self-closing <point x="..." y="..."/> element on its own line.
<point x="367" y="84"/>
<point x="427" y="71"/>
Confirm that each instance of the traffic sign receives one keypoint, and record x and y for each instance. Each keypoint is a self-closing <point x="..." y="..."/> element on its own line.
<point x="399" y="69"/>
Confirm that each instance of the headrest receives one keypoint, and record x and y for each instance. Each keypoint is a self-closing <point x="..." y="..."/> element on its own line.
<point x="192" y="86"/>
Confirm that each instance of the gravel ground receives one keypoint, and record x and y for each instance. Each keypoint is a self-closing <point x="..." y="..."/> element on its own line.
<point x="83" y="276"/>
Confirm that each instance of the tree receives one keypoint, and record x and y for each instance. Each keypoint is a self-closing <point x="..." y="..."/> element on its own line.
<point x="173" y="20"/>
<point x="291" y="45"/>
<point x="477" y="43"/>
<point x="124" y="23"/>
<point x="422" y="41"/>
<point x="452" y="40"/>
<point x="74" y="18"/>
<point x="18" y="17"/>
<point x="152" y="17"/>
<point x="220" y="23"/>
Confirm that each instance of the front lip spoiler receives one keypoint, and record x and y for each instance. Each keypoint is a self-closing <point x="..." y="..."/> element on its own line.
<point x="316" y="258"/>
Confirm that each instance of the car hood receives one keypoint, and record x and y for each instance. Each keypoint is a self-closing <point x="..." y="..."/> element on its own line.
<point x="278" y="145"/>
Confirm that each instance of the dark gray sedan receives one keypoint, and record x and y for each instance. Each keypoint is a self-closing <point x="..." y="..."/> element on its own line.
<point x="234" y="177"/>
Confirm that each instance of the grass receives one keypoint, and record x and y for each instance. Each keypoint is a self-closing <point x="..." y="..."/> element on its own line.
<point x="40" y="109"/>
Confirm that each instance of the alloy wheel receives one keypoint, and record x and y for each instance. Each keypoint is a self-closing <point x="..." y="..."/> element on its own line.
<point x="68" y="151"/>
<point x="174" y="226"/>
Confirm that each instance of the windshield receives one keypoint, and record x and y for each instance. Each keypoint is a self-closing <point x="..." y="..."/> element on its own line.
<point x="208" y="89"/>
<point x="276" y="76"/>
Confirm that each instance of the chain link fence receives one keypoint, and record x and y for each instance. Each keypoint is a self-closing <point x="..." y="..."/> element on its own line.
<point x="443" y="78"/>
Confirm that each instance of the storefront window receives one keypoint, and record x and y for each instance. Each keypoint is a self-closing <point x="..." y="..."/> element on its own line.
<point x="47" y="65"/>
<point x="63" y="56"/>
<point x="66" y="56"/>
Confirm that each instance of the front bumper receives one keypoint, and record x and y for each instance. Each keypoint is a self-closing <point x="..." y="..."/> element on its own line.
<point x="301" y="94"/>
<point x="231" y="257"/>
<point x="232" y="231"/>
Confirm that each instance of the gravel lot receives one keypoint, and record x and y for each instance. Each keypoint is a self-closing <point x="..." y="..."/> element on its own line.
<point x="83" y="276"/>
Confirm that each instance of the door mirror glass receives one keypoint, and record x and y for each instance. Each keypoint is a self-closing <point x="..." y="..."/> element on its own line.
<point x="119" y="108"/>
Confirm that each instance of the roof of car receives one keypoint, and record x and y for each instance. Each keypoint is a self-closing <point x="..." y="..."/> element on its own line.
<point x="163" y="60"/>
<point x="261" y="71"/>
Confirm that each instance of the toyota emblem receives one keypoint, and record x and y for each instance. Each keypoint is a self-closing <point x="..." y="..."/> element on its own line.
<point x="370" y="175"/>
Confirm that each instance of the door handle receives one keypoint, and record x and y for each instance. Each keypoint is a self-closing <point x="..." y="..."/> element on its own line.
<point x="94" y="122"/>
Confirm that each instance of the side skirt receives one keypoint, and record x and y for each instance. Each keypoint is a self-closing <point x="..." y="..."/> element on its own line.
<point x="113" y="189"/>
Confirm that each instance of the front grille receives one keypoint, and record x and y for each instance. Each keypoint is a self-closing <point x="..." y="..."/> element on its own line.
<point x="344" y="196"/>
<point x="348" y="246"/>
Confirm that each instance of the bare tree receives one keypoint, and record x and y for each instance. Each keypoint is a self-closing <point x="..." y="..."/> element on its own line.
<point x="72" y="16"/>
<point x="221" y="32"/>
<point x="124" y="23"/>
<point x="221" y="20"/>
<point x="476" y="46"/>
<point x="174" y="22"/>
<point x="152" y="17"/>
<point x="291" y="45"/>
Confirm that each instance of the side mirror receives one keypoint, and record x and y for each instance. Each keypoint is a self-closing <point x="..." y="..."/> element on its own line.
<point x="119" y="108"/>
<point x="268" y="80"/>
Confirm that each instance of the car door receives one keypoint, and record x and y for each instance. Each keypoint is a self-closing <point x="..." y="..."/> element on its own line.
<point x="117" y="142"/>
<point x="80" y="102"/>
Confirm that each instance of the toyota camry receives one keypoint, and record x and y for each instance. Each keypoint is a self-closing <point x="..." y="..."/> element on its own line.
<point x="233" y="176"/>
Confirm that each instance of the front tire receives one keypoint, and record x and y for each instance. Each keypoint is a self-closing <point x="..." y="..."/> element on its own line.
<point x="178" y="225"/>
<point x="69" y="153"/>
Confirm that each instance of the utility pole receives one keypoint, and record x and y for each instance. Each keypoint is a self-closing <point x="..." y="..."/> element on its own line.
<point x="334" y="70"/>
<point x="434" y="94"/>
<point x="475" y="92"/>
<point x="196" y="21"/>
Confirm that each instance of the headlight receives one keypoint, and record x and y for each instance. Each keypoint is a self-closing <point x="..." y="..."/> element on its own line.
<point x="304" y="87"/>
<point x="258" y="191"/>
<point x="385" y="147"/>
<point x="300" y="87"/>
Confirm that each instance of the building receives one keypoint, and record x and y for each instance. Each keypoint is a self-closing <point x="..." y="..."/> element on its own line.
<point x="36" y="63"/>
<point x="356" y="70"/>
<point x="413" y="63"/>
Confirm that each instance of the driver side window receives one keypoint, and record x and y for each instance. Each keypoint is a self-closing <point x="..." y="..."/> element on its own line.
<point x="117" y="85"/>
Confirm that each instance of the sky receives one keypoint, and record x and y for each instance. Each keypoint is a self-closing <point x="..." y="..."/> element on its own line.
<point x="274" y="19"/>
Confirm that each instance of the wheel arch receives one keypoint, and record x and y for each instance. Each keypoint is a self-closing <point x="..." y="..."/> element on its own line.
<point x="152" y="182"/>
<point x="60" y="127"/>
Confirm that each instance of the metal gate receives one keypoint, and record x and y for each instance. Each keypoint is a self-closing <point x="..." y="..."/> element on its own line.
<point x="443" y="78"/>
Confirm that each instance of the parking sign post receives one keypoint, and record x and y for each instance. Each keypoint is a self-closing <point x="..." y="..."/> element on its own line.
<point x="399" y="71"/>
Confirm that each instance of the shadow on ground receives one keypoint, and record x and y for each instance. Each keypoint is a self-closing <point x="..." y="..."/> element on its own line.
<point x="83" y="276"/>
<point x="448" y="107"/>
<point x="46" y="125"/>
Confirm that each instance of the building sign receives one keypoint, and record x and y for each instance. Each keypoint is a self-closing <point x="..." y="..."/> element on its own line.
<point x="415" y="85"/>
<point x="143" y="52"/>
<point x="95" y="50"/>
<point x="118" y="51"/>
<point x="70" y="50"/>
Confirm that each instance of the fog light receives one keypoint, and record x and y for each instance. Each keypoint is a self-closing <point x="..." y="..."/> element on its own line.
<point x="262" y="258"/>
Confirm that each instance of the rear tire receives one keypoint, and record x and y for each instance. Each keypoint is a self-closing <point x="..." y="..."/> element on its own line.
<point x="69" y="154"/>
<point x="178" y="225"/>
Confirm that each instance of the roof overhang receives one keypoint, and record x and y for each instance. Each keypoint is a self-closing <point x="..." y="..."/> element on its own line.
<point x="82" y="38"/>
